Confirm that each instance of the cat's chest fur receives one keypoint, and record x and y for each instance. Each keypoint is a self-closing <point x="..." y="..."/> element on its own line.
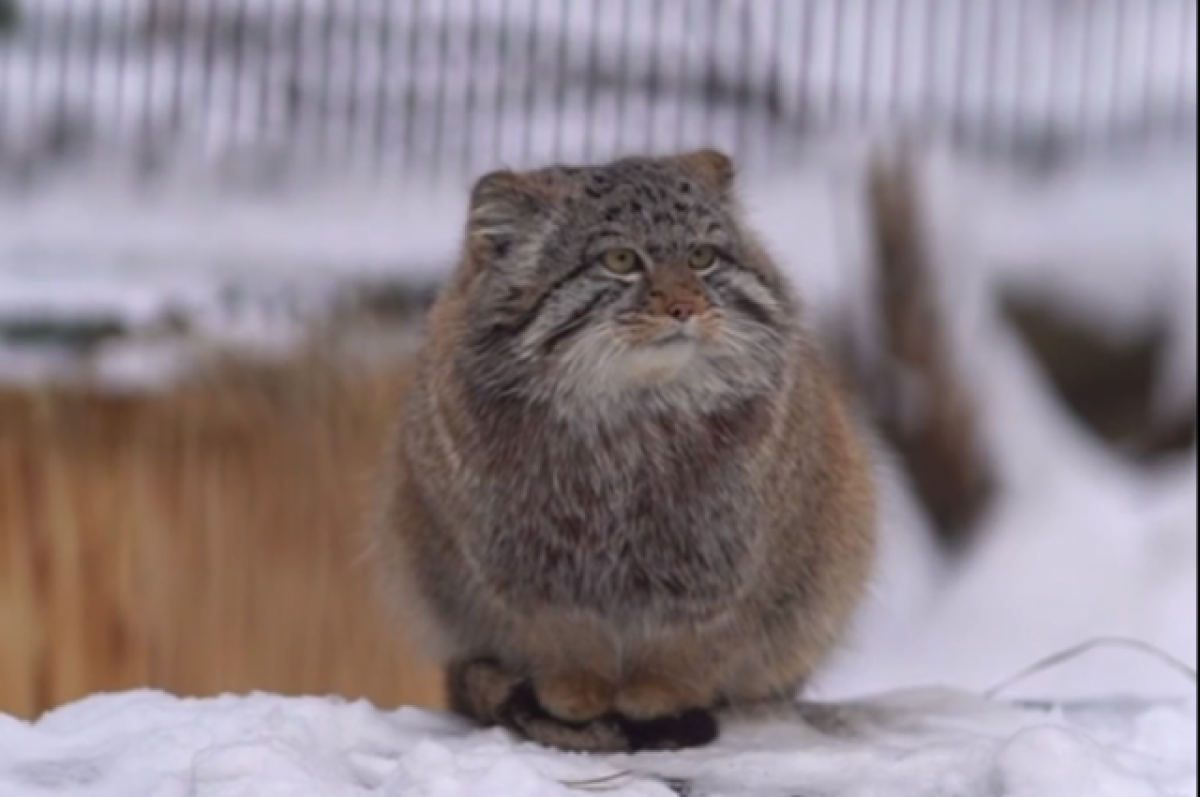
<point x="648" y="517"/>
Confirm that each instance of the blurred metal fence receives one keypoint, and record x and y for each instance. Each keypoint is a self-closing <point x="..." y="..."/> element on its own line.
<point x="270" y="88"/>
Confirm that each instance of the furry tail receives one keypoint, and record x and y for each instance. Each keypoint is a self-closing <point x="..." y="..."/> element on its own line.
<point x="937" y="435"/>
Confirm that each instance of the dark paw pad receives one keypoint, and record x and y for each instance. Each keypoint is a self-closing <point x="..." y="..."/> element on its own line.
<point x="692" y="728"/>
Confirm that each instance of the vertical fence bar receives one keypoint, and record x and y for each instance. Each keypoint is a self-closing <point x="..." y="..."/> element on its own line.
<point x="959" y="91"/>
<point x="653" y="74"/>
<point x="1086" y="112"/>
<point x="266" y="72"/>
<point x="292" y="97"/>
<point x="122" y="22"/>
<point x="683" y="70"/>
<point x="1186" y="92"/>
<point x="176" y="77"/>
<point x="96" y="103"/>
<point x="836" y="40"/>
<point x="1050" y="86"/>
<point x="773" y="81"/>
<point x="621" y="112"/>
<point x="410" y="84"/>
<point x="1116" y="70"/>
<point x="238" y="23"/>
<point x="988" y="27"/>
<point x="559" y="86"/>
<point x="467" y="147"/>
<point x="208" y="65"/>
<point x="807" y="64"/>
<point x="437" y="139"/>
<point x="325" y="103"/>
<point x="930" y="107"/>
<point x="897" y="69"/>
<point x="35" y="25"/>
<point x="711" y="77"/>
<point x="382" y="93"/>
<point x="740" y="78"/>
<point x="1005" y="17"/>
<point x="7" y="84"/>
<point x="503" y="57"/>
<point x="531" y="66"/>
<point x="63" y="64"/>
<point x="866" y="67"/>
<point x="1021" y="90"/>
<point x="352" y="146"/>
<point x="1149" y="51"/>
<point x="590" y="78"/>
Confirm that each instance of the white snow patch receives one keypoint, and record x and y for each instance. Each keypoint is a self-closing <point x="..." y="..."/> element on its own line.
<point x="905" y="743"/>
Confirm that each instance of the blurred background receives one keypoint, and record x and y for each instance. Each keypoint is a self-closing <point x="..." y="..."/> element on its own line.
<point x="221" y="221"/>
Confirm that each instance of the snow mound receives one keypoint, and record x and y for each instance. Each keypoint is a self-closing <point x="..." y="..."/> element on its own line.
<point x="900" y="743"/>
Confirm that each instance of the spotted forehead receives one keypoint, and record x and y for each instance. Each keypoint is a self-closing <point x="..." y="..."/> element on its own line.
<point x="653" y="202"/>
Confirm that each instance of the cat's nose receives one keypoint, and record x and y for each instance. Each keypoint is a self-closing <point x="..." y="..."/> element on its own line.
<point x="679" y="305"/>
<point x="682" y="309"/>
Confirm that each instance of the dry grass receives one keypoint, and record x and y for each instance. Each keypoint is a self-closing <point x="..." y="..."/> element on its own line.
<point x="200" y="541"/>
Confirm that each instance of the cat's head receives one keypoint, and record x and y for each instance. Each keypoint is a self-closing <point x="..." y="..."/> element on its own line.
<point x="631" y="281"/>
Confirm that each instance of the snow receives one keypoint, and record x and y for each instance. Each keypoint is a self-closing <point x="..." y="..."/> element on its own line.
<point x="929" y="741"/>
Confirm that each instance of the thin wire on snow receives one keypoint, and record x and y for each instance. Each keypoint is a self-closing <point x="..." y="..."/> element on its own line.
<point x="1083" y="648"/>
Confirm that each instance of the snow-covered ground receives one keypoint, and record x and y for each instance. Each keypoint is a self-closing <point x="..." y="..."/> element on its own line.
<point x="918" y="743"/>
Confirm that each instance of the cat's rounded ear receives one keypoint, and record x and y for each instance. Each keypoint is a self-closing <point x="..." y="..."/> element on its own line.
<point x="711" y="167"/>
<point x="503" y="204"/>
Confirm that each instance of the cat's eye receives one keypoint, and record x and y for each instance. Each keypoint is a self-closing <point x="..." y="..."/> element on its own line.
<point x="702" y="258"/>
<point x="622" y="260"/>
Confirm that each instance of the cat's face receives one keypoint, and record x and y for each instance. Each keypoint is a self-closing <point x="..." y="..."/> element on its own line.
<point x="633" y="279"/>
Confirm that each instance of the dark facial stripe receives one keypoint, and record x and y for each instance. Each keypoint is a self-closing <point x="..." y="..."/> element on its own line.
<point x="729" y="261"/>
<point x="579" y="317"/>
<point x="737" y="300"/>
<point x="529" y="315"/>
<point x="751" y="309"/>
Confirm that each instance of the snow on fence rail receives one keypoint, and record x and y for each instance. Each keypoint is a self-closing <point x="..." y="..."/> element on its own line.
<point x="450" y="87"/>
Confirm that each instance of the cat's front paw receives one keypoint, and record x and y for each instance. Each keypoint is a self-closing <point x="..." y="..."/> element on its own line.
<point x="575" y="695"/>
<point x="524" y="714"/>
<point x="659" y="712"/>
<point x="651" y="695"/>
